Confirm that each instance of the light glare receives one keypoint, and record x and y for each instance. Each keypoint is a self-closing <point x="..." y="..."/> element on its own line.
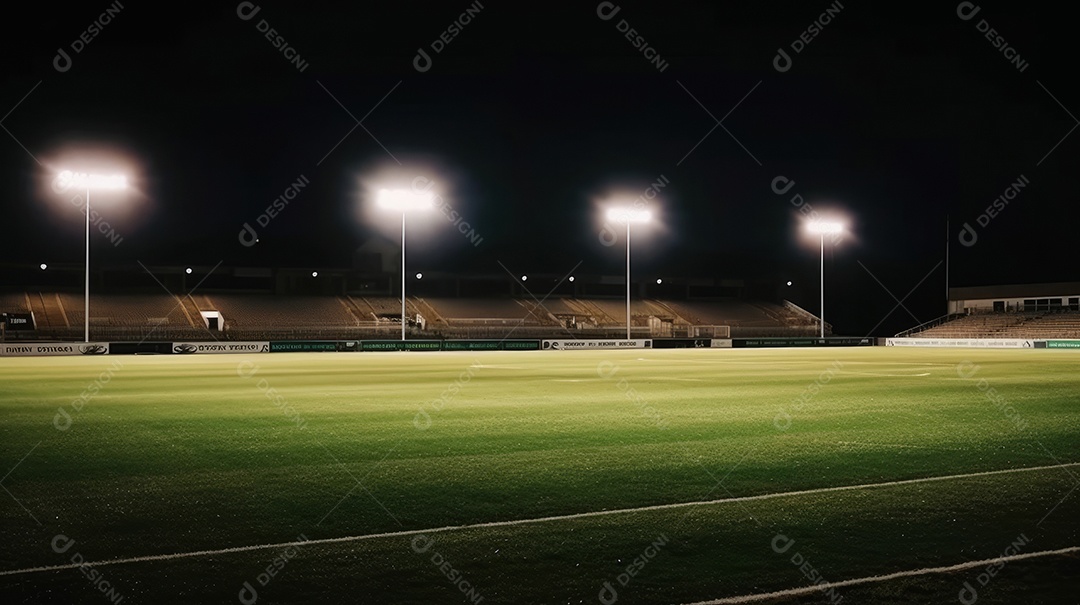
<point x="825" y="227"/>
<point x="82" y="180"/>
<point x="628" y="215"/>
<point x="403" y="200"/>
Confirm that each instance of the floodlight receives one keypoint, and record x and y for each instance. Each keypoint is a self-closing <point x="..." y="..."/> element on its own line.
<point x="821" y="229"/>
<point x="628" y="215"/>
<point x="82" y="180"/>
<point x="824" y="227"/>
<point x="404" y="200"/>
<point x="89" y="182"/>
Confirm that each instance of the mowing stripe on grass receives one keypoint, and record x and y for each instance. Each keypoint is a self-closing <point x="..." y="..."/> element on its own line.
<point x="599" y="513"/>
<point x="805" y="590"/>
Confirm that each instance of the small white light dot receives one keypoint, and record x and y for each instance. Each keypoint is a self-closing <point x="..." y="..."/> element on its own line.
<point x="188" y="270"/>
<point x="659" y="281"/>
<point x="571" y="278"/>
<point x="524" y="278"/>
<point x="789" y="283"/>
<point x="44" y="266"/>
<point x="314" y="273"/>
<point x="419" y="276"/>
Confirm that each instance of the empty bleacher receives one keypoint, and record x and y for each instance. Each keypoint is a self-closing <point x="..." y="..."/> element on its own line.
<point x="266" y="316"/>
<point x="128" y="310"/>
<point x="255" y="312"/>
<point x="1035" y="325"/>
<point x="493" y="311"/>
<point x="16" y="302"/>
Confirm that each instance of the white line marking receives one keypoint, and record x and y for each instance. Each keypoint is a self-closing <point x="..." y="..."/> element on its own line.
<point x="511" y="523"/>
<point x="804" y="590"/>
<point x="864" y="444"/>
<point x="887" y="375"/>
<point x="499" y="367"/>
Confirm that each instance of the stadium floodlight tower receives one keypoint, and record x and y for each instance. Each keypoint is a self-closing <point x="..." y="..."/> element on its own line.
<point x="823" y="228"/>
<point x="404" y="201"/>
<point x="628" y="216"/>
<point x="81" y="180"/>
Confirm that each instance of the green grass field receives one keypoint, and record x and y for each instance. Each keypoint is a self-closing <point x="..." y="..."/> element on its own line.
<point x="197" y="455"/>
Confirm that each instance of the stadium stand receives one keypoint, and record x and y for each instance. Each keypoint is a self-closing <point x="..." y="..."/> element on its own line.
<point x="1030" y="311"/>
<point x="749" y="319"/>
<point x="254" y="312"/>
<point x="16" y="302"/>
<point x="251" y="316"/>
<point x="478" y="310"/>
<point x="1049" y="324"/>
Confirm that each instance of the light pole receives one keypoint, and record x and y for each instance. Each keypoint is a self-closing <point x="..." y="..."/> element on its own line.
<point x="404" y="201"/>
<point x="628" y="216"/>
<point x="81" y="180"/>
<point x="823" y="228"/>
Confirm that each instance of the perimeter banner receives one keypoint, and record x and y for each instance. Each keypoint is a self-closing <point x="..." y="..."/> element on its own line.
<point x="187" y="348"/>
<point x="54" y="348"/>
<point x="976" y="343"/>
<point x="573" y="345"/>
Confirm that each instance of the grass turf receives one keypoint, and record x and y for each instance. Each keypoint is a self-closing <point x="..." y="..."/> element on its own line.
<point x="175" y="454"/>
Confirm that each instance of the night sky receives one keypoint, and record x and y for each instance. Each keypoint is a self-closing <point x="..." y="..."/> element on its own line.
<point x="893" y="116"/>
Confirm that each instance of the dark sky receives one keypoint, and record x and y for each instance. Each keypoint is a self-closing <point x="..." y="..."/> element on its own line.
<point x="896" y="116"/>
